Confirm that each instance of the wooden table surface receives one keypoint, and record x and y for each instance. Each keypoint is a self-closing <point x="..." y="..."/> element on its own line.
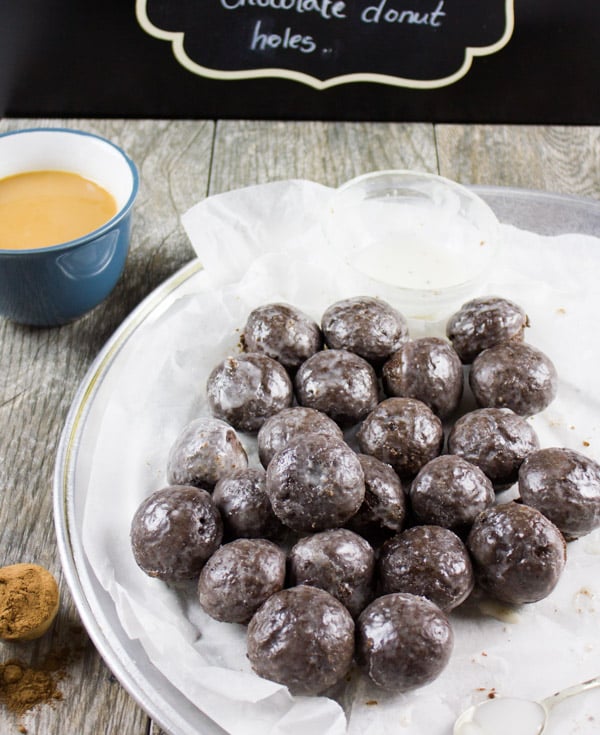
<point x="180" y="163"/>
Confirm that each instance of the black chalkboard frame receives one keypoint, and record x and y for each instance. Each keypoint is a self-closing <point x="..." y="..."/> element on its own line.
<point x="364" y="38"/>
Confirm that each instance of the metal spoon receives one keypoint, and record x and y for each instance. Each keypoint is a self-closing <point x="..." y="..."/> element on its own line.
<point x="510" y="714"/>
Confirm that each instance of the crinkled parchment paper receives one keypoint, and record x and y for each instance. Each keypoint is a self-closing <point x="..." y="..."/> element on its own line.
<point x="266" y="244"/>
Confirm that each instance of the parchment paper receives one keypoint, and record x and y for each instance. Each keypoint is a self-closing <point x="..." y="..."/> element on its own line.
<point x="266" y="244"/>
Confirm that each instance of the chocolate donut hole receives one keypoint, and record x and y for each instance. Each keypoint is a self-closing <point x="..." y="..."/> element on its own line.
<point x="205" y="450"/>
<point x="514" y="375"/>
<point x="403" y="641"/>
<point x="565" y="486"/>
<point x="427" y="369"/>
<point x="303" y="638"/>
<point x="367" y="326"/>
<point x="247" y="389"/>
<point x="430" y="561"/>
<point x="338" y="561"/>
<point x="174" y="532"/>
<point x="279" y="430"/>
<point x="484" y="322"/>
<point x="242" y="500"/>
<point x="402" y="432"/>
<point x="450" y="492"/>
<point x="518" y="554"/>
<point x="338" y="383"/>
<point x="239" y="577"/>
<point x="496" y="440"/>
<point x="282" y="332"/>
<point x="315" y="483"/>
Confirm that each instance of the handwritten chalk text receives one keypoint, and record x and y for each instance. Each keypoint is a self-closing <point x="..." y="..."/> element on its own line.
<point x="327" y="9"/>
<point x="289" y="40"/>
<point x="381" y="13"/>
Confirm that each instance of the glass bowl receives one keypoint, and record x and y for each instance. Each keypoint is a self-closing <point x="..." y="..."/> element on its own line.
<point x="421" y="241"/>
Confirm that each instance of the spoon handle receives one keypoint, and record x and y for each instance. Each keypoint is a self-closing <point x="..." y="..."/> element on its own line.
<point x="571" y="691"/>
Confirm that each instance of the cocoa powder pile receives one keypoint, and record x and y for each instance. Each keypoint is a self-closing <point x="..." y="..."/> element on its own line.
<point x="23" y="687"/>
<point x="29" y="601"/>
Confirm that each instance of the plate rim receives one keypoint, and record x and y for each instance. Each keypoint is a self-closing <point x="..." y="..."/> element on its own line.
<point x="118" y="663"/>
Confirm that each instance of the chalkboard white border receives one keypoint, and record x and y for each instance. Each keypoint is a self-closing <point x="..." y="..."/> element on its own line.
<point x="177" y="43"/>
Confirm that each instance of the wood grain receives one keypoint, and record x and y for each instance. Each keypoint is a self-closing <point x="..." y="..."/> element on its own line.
<point x="40" y="370"/>
<point x="565" y="160"/>
<point x="254" y="152"/>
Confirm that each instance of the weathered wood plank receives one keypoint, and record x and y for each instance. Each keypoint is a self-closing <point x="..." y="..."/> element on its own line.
<point x="560" y="159"/>
<point x="254" y="152"/>
<point x="40" y="370"/>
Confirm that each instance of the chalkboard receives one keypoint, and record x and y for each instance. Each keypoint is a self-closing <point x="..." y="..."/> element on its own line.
<point x="421" y="44"/>
<point x="497" y="61"/>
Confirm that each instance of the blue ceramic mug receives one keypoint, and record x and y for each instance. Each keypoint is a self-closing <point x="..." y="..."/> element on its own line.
<point x="53" y="285"/>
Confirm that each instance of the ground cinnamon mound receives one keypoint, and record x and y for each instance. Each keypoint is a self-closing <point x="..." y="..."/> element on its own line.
<point x="29" y="601"/>
<point x="23" y="687"/>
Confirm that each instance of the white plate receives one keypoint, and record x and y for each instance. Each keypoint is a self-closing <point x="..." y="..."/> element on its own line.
<point x="536" y="211"/>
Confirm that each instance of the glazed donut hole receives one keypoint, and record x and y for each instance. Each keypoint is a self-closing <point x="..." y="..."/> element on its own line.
<point x="484" y="322"/>
<point x="497" y="440"/>
<point x="339" y="383"/>
<point x="315" y="483"/>
<point x="366" y="326"/>
<point x="205" y="450"/>
<point x="239" y="577"/>
<point x="241" y="498"/>
<point x="514" y="375"/>
<point x="429" y="370"/>
<point x="518" y="554"/>
<point x="282" y="332"/>
<point x="174" y="532"/>
<point x="402" y="432"/>
<point x="302" y="637"/>
<point x="429" y="561"/>
<point x="565" y="486"/>
<point x="450" y="492"/>
<point x="338" y="561"/>
<point x="384" y="509"/>
<point x="403" y="641"/>
<point x="278" y="430"/>
<point x="369" y="512"/>
<point x="247" y="389"/>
